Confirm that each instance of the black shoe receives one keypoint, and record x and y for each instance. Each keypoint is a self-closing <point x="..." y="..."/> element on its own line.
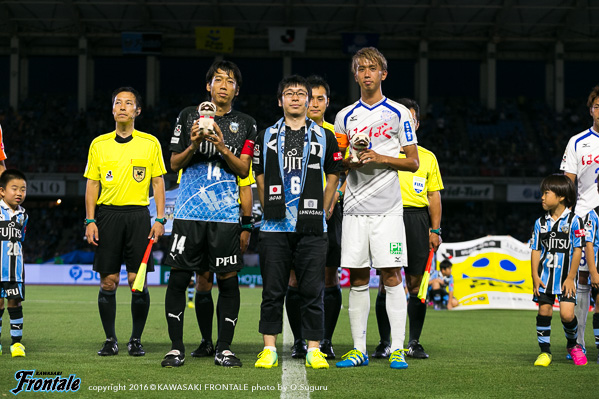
<point x="299" y="349"/>
<point x="204" y="350"/>
<point x="173" y="359"/>
<point x="135" y="348"/>
<point x="326" y="347"/>
<point x="226" y="358"/>
<point x="110" y="348"/>
<point x="416" y="350"/>
<point x="382" y="351"/>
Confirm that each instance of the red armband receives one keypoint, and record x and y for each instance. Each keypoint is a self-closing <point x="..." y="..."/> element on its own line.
<point x="248" y="148"/>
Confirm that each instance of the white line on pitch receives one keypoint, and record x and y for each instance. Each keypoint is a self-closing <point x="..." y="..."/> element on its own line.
<point x="294" y="370"/>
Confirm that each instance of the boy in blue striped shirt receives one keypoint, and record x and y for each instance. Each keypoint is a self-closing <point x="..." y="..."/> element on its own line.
<point x="557" y="241"/>
<point x="13" y="221"/>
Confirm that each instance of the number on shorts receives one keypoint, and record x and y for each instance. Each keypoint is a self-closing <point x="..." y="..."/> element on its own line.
<point x="178" y="244"/>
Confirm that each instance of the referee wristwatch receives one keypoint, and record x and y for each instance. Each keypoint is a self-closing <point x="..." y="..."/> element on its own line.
<point x="436" y="231"/>
<point x="161" y="220"/>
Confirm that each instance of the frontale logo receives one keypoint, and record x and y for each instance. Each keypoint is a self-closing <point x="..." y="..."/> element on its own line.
<point x="28" y="381"/>
<point x="395" y="248"/>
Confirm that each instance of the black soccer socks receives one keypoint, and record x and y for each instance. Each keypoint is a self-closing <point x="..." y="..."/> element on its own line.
<point x="107" y="308"/>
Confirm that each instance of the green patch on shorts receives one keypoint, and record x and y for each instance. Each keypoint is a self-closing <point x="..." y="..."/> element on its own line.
<point x="395" y="248"/>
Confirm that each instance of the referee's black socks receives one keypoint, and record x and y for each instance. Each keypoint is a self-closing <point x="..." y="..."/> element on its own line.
<point x="107" y="308"/>
<point x="227" y="310"/>
<point x="175" y="302"/>
<point x="382" y="319"/>
<point x="140" y="306"/>
<point x="332" y="307"/>
<point x="416" y="315"/>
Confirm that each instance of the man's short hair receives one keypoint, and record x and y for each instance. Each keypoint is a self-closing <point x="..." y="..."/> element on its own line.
<point x="11" y="174"/>
<point x="594" y="94"/>
<point x="318" y="81"/>
<point x="227" y="67"/>
<point x="562" y="186"/>
<point x="371" y="54"/>
<point x="291" y="81"/>
<point x="130" y="90"/>
<point x="411" y="104"/>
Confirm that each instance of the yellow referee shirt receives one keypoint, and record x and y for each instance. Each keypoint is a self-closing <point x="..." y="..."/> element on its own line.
<point x="125" y="170"/>
<point x="415" y="186"/>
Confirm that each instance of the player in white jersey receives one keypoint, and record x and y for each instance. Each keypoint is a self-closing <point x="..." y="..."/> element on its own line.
<point x="373" y="230"/>
<point x="581" y="162"/>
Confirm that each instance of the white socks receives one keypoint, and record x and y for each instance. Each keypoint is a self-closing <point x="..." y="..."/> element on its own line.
<point x="397" y="310"/>
<point x="358" y="308"/>
<point x="582" y="310"/>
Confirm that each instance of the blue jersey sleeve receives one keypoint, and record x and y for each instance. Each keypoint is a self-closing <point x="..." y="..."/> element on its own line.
<point x="535" y="243"/>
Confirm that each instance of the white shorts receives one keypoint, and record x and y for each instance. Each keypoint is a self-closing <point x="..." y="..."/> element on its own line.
<point x="373" y="240"/>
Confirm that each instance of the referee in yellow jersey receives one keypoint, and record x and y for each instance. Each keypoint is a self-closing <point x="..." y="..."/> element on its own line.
<point x="421" y="196"/>
<point x="120" y="167"/>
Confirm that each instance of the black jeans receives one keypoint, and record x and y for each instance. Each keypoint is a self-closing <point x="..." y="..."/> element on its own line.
<point x="307" y="255"/>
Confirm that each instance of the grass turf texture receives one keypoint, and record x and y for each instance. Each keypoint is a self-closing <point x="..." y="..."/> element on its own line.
<point x="474" y="354"/>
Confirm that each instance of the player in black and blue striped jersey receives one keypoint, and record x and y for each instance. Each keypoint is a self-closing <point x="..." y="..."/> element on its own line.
<point x="13" y="222"/>
<point x="557" y="241"/>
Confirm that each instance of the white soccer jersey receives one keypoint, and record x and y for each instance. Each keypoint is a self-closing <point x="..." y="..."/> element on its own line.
<point x="370" y="190"/>
<point x="582" y="159"/>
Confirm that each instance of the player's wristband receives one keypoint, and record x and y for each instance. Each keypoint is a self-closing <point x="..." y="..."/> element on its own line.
<point x="436" y="231"/>
<point x="340" y="193"/>
<point x="161" y="220"/>
<point x="247" y="223"/>
<point x="88" y="221"/>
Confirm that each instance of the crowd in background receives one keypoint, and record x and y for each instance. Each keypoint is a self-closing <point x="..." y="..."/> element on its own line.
<point x="520" y="138"/>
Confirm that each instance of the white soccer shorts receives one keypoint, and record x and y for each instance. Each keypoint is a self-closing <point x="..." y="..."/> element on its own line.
<point x="373" y="240"/>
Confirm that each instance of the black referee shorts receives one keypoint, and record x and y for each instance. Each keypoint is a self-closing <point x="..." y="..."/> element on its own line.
<point x="417" y="223"/>
<point x="123" y="237"/>
<point x="205" y="246"/>
<point x="334" y="233"/>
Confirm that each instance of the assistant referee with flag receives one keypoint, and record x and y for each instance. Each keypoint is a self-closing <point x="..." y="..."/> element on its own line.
<point x="123" y="163"/>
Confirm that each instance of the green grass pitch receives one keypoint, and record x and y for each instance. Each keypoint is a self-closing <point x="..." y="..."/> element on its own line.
<point x="473" y="354"/>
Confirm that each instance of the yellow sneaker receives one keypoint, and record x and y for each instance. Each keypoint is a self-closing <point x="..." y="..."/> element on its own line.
<point x="17" y="350"/>
<point x="316" y="360"/>
<point x="544" y="359"/>
<point x="267" y="359"/>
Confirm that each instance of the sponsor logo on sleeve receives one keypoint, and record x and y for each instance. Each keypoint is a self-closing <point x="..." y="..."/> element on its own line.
<point x="337" y="156"/>
<point x="579" y="233"/>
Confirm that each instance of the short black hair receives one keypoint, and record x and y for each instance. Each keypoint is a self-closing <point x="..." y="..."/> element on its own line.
<point x="411" y="104"/>
<point x="11" y="174"/>
<point x="445" y="264"/>
<point x="227" y="67"/>
<point x="130" y="90"/>
<point x="562" y="186"/>
<point x="293" y="80"/>
<point x="318" y="81"/>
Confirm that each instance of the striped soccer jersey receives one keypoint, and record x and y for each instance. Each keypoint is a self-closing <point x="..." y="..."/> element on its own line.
<point x="591" y="224"/>
<point x="12" y="234"/>
<point x="370" y="190"/>
<point x="582" y="159"/>
<point x="556" y="240"/>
